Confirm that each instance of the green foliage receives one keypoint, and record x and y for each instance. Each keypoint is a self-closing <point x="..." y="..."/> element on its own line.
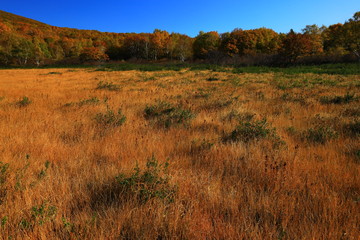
<point x="3" y="221"/>
<point x="108" y="86"/>
<point x="332" y="69"/>
<point x="250" y="131"/>
<point x="25" y="101"/>
<point x="43" y="213"/>
<point x="20" y="174"/>
<point x="24" y="224"/>
<point x="319" y="134"/>
<point x="153" y="182"/>
<point x="110" y="119"/>
<point x="43" y="172"/>
<point x="166" y="115"/>
<point x="347" y="98"/>
<point x="39" y="215"/>
<point x="206" y="45"/>
<point x="68" y="225"/>
<point x="149" y="67"/>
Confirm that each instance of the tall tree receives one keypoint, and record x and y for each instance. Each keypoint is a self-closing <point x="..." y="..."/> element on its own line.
<point x="159" y="41"/>
<point x="352" y="34"/>
<point x="333" y="39"/>
<point x="206" y="44"/>
<point x="296" y="45"/>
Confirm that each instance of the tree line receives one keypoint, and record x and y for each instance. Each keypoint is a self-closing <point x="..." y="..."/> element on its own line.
<point x="27" y="42"/>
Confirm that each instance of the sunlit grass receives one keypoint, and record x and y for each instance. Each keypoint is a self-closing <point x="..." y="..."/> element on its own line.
<point x="173" y="155"/>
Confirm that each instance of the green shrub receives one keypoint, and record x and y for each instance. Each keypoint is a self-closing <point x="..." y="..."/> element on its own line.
<point x="320" y="134"/>
<point x="251" y="131"/>
<point x="3" y="221"/>
<point x="108" y="86"/>
<point x="39" y="215"/>
<point x="25" y="101"/>
<point x="42" y="213"/>
<point x="153" y="182"/>
<point x="110" y="119"/>
<point x="166" y="115"/>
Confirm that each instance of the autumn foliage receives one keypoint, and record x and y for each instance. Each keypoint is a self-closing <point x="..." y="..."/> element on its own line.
<point x="27" y="42"/>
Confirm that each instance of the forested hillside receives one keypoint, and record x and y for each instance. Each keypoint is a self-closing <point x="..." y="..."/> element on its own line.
<point x="25" y="41"/>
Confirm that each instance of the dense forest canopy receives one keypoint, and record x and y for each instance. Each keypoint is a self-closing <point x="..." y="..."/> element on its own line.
<point x="25" y="41"/>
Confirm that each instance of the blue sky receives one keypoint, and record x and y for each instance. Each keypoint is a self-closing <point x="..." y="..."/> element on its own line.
<point x="186" y="16"/>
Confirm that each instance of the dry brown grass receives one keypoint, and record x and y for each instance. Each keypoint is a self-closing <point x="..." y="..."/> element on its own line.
<point x="292" y="186"/>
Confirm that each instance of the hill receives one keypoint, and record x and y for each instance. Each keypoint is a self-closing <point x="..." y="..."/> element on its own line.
<point x="24" y="41"/>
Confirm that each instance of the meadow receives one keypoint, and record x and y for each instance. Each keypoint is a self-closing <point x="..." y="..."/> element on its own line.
<point x="185" y="153"/>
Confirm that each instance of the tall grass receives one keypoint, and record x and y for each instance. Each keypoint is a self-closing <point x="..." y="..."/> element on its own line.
<point x="72" y="167"/>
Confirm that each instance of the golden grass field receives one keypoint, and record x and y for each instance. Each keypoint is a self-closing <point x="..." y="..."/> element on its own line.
<point x="72" y="168"/>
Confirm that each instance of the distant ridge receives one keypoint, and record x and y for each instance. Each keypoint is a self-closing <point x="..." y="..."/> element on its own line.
<point x="13" y="18"/>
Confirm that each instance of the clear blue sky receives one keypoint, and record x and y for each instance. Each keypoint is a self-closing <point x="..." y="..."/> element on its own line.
<point x="184" y="16"/>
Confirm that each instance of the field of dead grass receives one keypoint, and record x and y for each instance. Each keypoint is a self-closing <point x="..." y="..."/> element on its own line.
<point x="88" y="154"/>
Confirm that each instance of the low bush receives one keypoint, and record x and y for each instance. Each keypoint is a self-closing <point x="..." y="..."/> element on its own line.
<point x="166" y="115"/>
<point x="153" y="182"/>
<point x="110" y="119"/>
<point x="319" y="134"/>
<point x="40" y="214"/>
<point x="249" y="131"/>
